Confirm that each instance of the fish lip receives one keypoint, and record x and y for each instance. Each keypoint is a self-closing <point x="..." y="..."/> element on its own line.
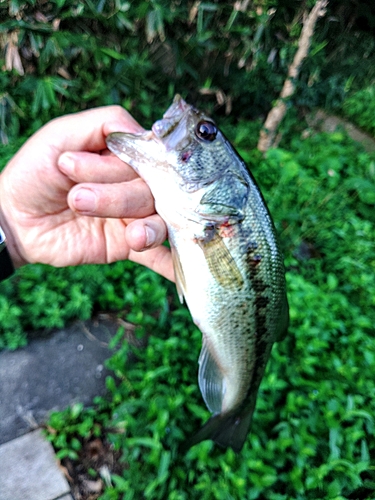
<point x="115" y="139"/>
<point x="172" y="134"/>
<point x="178" y="106"/>
<point x="174" y="115"/>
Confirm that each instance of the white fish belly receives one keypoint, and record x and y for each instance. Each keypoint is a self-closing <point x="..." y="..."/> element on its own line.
<point x="224" y="317"/>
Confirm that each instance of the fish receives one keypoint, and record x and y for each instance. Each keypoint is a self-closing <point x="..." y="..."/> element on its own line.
<point x="227" y="261"/>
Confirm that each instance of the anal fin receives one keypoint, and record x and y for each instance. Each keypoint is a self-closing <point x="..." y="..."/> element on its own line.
<point x="210" y="378"/>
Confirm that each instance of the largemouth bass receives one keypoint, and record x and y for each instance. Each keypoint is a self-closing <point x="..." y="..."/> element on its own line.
<point x="227" y="261"/>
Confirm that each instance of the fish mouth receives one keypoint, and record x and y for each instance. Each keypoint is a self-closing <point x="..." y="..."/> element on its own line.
<point x="171" y="129"/>
<point x="178" y="107"/>
<point x="171" y="118"/>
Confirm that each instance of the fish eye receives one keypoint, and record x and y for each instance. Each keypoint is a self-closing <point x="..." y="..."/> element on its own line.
<point x="206" y="131"/>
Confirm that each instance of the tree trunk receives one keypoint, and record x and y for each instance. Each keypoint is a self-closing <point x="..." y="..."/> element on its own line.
<point x="274" y="117"/>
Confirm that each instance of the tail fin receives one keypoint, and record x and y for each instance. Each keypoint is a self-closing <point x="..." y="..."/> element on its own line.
<point x="226" y="430"/>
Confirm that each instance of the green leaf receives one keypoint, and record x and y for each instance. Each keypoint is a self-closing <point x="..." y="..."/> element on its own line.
<point x="112" y="53"/>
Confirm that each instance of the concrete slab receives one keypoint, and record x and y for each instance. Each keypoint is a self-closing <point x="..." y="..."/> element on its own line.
<point x="29" y="470"/>
<point x="51" y="373"/>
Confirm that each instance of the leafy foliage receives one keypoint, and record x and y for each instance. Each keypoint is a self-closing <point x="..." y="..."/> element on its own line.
<point x="41" y="297"/>
<point x="313" y="430"/>
<point x="63" y="56"/>
<point x="360" y="108"/>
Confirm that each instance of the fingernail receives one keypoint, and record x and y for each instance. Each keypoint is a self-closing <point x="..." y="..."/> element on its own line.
<point x="150" y="236"/>
<point x="85" y="200"/>
<point x="66" y="163"/>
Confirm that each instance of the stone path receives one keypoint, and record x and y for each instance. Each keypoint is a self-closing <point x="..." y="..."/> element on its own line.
<point x="49" y="374"/>
<point x="29" y="470"/>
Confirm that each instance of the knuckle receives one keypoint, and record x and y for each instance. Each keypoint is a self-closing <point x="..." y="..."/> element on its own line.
<point x="118" y="111"/>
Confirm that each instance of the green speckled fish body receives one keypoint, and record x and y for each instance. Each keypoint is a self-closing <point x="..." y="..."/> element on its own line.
<point x="228" y="265"/>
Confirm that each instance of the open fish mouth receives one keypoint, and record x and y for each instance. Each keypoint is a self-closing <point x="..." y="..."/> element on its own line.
<point x="178" y="106"/>
<point x="171" y="129"/>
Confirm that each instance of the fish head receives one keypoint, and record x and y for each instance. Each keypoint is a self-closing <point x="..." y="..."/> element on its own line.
<point x="185" y="143"/>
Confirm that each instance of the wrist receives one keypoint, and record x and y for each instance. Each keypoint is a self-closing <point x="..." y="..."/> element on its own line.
<point x="9" y="243"/>
<point x="6" y="264"/>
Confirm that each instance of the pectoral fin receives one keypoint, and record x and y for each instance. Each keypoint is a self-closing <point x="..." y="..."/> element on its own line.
<point x="221" y="264"/>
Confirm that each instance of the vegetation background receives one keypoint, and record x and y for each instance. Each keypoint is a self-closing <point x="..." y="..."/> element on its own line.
<point x="313" y="431"/>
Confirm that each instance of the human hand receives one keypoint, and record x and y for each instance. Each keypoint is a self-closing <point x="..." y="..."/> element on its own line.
<point x="66" y="200"/>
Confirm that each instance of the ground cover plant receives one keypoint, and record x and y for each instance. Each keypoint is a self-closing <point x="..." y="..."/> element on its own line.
<point x="360" y="108"/>
<point x="312" y="435"/>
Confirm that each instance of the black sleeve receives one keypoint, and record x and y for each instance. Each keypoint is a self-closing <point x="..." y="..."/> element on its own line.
<point x="6" y="265"/>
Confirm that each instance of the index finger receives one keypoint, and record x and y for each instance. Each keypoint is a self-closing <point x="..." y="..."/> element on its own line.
<point x="87" y="130"/>
<point x="92" y="167"/>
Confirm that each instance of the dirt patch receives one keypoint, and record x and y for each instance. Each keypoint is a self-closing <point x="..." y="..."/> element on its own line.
<point x="89" y="474"/>
<point x="329" y="123"/>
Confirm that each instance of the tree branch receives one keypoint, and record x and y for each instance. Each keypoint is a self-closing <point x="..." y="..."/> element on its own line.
<point x="274" y="117"/>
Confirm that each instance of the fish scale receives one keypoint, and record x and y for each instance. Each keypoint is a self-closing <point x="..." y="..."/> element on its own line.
<point x="227" y="261"/>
